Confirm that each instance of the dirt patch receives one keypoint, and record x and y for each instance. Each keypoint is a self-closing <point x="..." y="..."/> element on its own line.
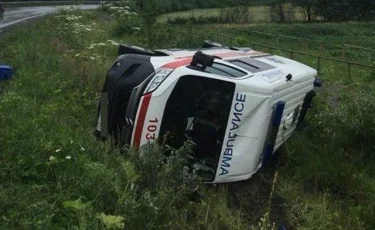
<point x="104" y="17"/>
<point x="59" y="46"/>
<point x="252" y="198"/>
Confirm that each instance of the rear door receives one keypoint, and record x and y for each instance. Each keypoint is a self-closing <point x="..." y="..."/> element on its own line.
<point x="197" y="110"/>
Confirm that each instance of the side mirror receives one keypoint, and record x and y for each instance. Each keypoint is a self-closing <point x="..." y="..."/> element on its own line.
<point x="318" y="82"/>
<point x="202" y="59"/>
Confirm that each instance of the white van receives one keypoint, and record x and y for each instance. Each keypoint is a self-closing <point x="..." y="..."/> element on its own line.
<point x="236" y="105"/>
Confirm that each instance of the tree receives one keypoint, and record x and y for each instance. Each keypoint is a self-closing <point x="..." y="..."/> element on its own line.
<point x="282" y="11"/>
<point x="277" y="11"/>
<point x="308" y="6"/>
<point x="363" y="10"/>
<point x="344" y="10"/>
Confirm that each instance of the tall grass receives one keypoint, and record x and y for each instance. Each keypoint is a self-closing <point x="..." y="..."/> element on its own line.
<point x="327" y="171"/>
<point x="54" y="174"/>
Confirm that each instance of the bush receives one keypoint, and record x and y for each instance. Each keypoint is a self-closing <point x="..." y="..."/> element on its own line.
<point x="194" y="20"/>
<point x="330" y="164"/>
<point x="343" y="10"/>
<point x="347" y="118"/>
<point x="239" y="14"/>
<point x="241" y="41"/>
<point x="282" y="12"/>
<point x="127" y="21"/>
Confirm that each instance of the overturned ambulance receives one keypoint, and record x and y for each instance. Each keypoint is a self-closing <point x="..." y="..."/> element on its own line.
<point x="236" y="105"/>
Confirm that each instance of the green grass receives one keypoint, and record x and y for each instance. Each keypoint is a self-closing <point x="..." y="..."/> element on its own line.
<point x="325" y="39"/>
<point x="327" y="172"/>
<point x="326" y="177"/>
<point x="55" y="175"/>
<point x="332" y="35"/>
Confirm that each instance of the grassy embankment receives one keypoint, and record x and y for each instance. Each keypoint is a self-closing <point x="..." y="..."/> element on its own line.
<point x="326" y="174"/>
<point x="55" y="175"/>
<point x="326" y="171"/>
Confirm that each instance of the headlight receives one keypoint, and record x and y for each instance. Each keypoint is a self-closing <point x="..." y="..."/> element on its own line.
<point x="160" y="76"/>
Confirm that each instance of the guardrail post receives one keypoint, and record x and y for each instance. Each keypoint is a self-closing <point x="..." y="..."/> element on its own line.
<point x="349" y="71"/>
<point x="322" y="47"/>
<point x="343" y="52"/>
<point x="216" y="37"/>
<point x="369" y="57"/>
<point x="306" y="45"/>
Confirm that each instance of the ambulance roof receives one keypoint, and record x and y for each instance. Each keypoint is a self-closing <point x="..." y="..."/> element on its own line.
<point x="249" y="69"/>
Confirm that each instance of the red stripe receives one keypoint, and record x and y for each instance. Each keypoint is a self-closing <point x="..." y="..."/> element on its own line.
<point x="141" y="120"/>
<point x="179" y="63"/>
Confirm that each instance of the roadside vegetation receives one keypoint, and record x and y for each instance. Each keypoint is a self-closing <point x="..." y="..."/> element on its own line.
<point x="55" y="175"/>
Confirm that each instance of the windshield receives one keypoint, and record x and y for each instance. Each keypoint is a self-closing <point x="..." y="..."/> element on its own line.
<point x="197" y="110"/>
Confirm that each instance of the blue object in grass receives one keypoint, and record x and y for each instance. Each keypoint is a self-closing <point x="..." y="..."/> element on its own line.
<point x="6" y="72"/>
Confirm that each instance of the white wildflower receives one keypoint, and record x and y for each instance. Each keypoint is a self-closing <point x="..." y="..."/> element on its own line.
<point x="51" y="158"/>
<point x="77" y="55"/>
<point x="83" y="149"/>
<point x="68" y="157"/>
<point x="58" y="150"/>
<point x="71" y="142"/>
<point x="92" y="58"/>
<point x="113" y="42"/>
<point x="88" y="29"/>
<point x="136" y="28"/>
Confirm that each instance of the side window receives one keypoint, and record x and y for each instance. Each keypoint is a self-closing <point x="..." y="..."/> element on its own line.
<point x="225" y="70"/>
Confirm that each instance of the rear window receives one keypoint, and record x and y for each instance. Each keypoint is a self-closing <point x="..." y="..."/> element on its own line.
<point x="225" y="70"/>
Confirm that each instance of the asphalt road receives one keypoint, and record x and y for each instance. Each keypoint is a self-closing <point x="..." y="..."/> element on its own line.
<point x="18" y="15"/>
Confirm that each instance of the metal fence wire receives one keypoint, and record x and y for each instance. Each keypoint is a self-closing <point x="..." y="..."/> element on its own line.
<point x="223" y="38"/>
